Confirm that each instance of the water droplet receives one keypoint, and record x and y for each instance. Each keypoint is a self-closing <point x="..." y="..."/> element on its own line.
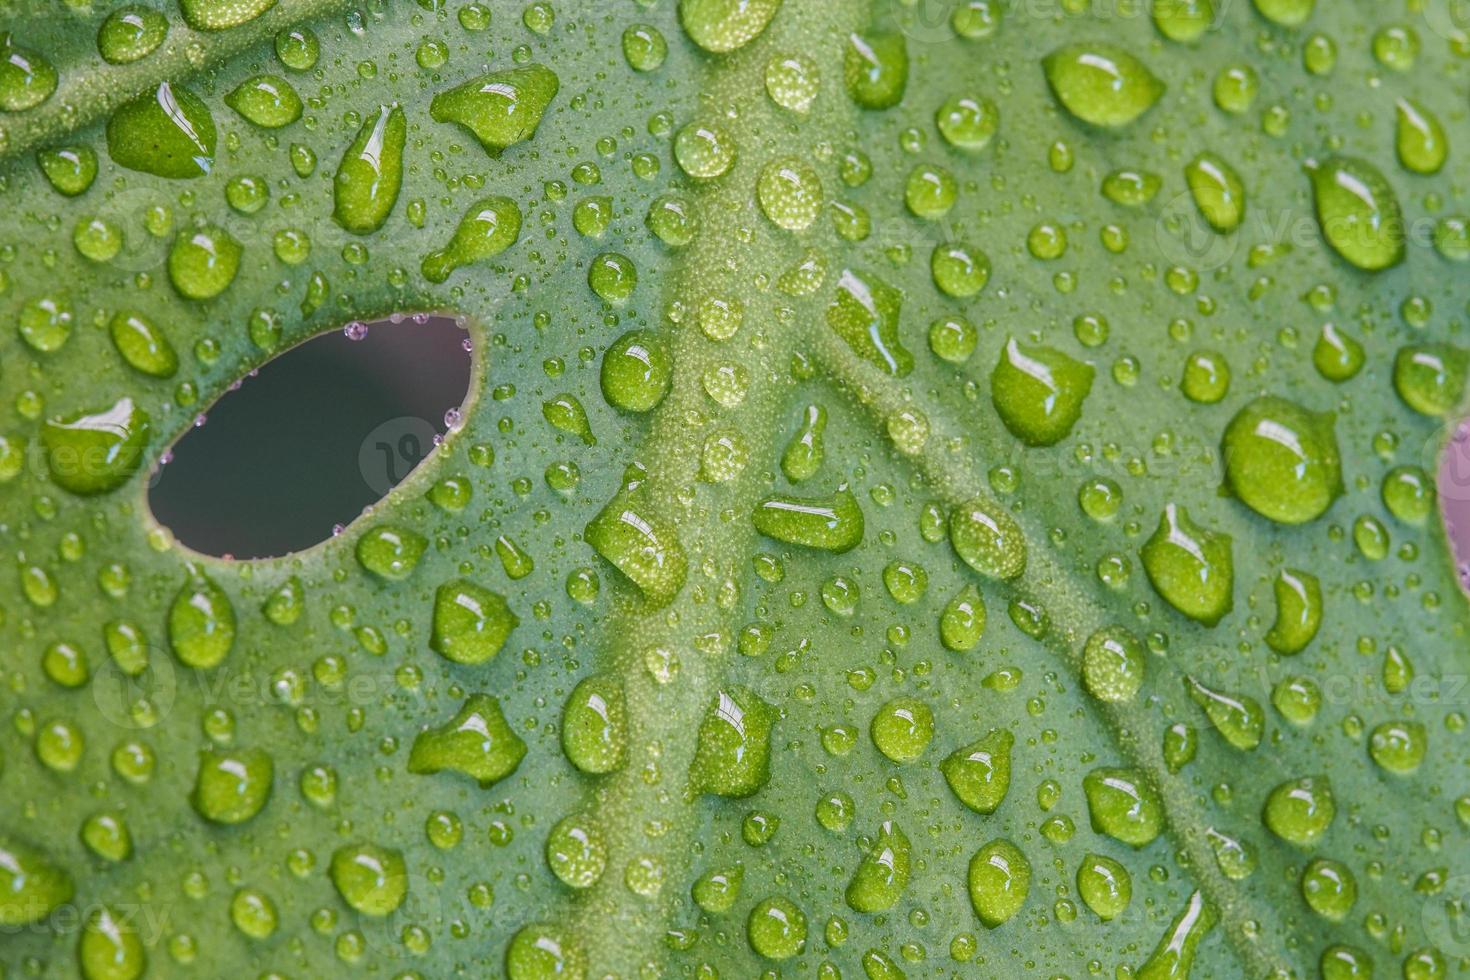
<point x="1420" y="140"/>
<point x="110" y="948"/>
<point x="146" y="349"/>
<point x="641" y="545"/>
<point x="217" y="15"/>
<point x="1287" y="13"/>
<point x="979" y="774"/>
<point x="203" y="262"/>
<point x="1358" y="212"/>
<point x="1282" y="460"/>
<point x="168" y="132"/>
<point x="959" y="270"/>
<point x="1336" y="355"/>
<point x="865" y="314"/>
<point x="1173" y="957"/>
<point x="232" y="786"/>
<point x="902" y="729"/>
<point x="733" y="754"/>
<point x="967" y="122"/>
<point x="70" y="170"/>
<point x="1183" y="21"/>
<point x="477" y="742"/>
<point x="988" y="539"/>
<point x="832" y="524"/>
<point x="1131" y="188"/>
<point x="1298" y="611"/>
<point x="501" y="108"/>
<point x="875" y="69"/>
<point x="594" y="725"/>
<point x="1299" y="811"/>
<point x="1038" y="392"/>
<point x="1430" y="378"/>
<point x="999" y="880"/>
<point x="1113" y="664"/>
<point x="26" y="78"/>
<point x="470" y="623"/>
<point x="644" y="47"/>
<point x="720" y="26"/>
<point x="1399" y="746"/>
<point x="612" y="277"/>
<point x="790" y="193"/>
<point x="1238" y="718"/>
<point x="130" y="33"/>
<point x="298" y="48"/>
<point x="1191" y="567"/>
<point x="371" y="879"/>
<point x="883" y="873"/>
<point x="776" y="928"/>
<point x="1104" y="884"/>
<point x="704" y="150"/>
<point x="31" y="885"/>
<point x="1123" y="804"/>
<point x="576" y="851"/>
<point x="1101" y="83"/>
<point x="1329" y="889"/>
<point x="792" y="82"/>
<point x="268" y="101"/>
<point x="391" y="552"/>
<point x="718" y="889"/>
<point x="201" y="623"/>
<point x="489" y="227"/>
<point x="803" y="455"/>
<point x="962" y="622"/>
<point x="636" y="371"/>
<point x="368" y="178"/>
<point x="92" y="452"/>
<point x="1217" y="190"/>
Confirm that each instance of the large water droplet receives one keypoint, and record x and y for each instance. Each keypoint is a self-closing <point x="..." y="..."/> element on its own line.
<point x="1190" y="566"/>
<point x="979" y="774"/>
<point x="26" y="77"/>
<point x="489" y="227"/>
<point x="829" y="524"/>
<point x="733" y="756"/>
<point x="268" y="101"/>
<point x="594" y="725"/>
<point x="371" y="172"/>
<point x="988" y="539"/>
<point x="719" y="26"/>
<point x="201" y="622"/>
<point x="217" y="15"/>
<point x="232" y="785"/>
<point x="1038" y="392"/>
<point x="1123" y="804"/>
<point x="999" y="880"/>
<point x="371" y="879"/>
<point x="883" y="873"/>
<point x="1173" y="957"/>
<point x="477" y="742"/>
<point x="470" y="623"/>
<point x="1282" y="460"/>
<point x="1358" y="212"/>
<point x="875" y="69"/>
<point x="1298" y="611"/>
<point x="31" y="885"/>
<point x="96" y="451"/>
<point x="168" y="132"/>
<point x="864" y="314"/>
<point x="1300" y="811"/>
<point x="502" y="108"/>
<point x="641" y="545"/>
<point x="204" y="261"/>
<point x="1101" y="83"/>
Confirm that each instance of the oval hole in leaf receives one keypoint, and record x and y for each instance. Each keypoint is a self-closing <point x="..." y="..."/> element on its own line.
<point x="314" y="436"/>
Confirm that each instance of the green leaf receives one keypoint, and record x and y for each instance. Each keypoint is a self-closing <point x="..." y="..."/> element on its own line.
<point x="912" y="532"/>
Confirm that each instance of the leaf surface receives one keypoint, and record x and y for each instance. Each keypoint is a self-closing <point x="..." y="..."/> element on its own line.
<point x="974" y="457"/>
